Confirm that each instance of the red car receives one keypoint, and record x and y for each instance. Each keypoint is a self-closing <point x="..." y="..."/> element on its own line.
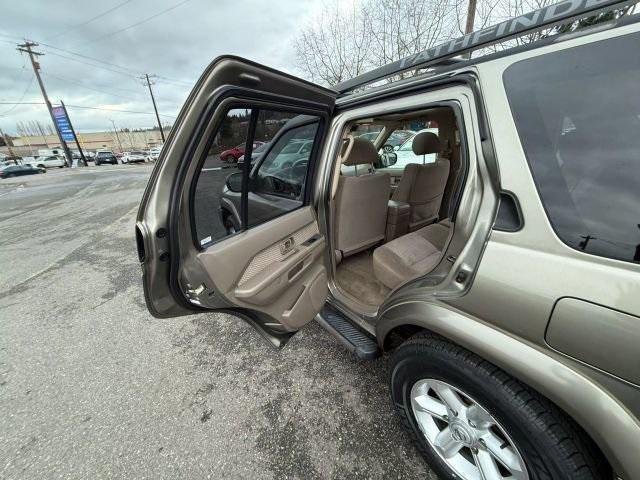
<point x="233" y="154"/>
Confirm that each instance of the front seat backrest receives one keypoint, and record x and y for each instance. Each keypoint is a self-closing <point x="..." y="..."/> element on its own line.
<point x="361" y="200"/>
<point x="422" y="186"/>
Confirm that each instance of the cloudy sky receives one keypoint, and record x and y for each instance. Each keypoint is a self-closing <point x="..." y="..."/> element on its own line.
<point x="94" y="63"/>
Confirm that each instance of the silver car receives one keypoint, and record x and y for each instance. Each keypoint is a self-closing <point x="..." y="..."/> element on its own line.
<point x="501" y="280"/>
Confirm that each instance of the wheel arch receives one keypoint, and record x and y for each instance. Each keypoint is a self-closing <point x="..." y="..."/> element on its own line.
<point x="609" y="424"/>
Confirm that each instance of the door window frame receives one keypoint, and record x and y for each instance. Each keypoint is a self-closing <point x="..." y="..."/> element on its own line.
<point x="210" y="124"/>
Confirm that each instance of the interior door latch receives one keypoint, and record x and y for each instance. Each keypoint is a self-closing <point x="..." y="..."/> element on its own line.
<point x="287" y="245"/>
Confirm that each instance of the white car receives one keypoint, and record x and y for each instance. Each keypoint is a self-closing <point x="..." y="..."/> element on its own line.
<point x="136" y="156"/>
<point x="154" y="153"/>
<point x="48" y="162"/>
<point x="405" y="152"/>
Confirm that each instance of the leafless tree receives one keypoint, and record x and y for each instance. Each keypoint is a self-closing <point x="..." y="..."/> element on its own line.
<point x="335" y="46"/>
<point x="400" y="28"/>
<point x="345" y="41"/>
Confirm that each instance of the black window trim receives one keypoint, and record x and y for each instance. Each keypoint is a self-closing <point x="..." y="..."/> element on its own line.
<point x="258" y="101"/>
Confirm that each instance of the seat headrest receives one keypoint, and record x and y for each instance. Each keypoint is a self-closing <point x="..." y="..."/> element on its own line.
<point x="425" y="143"/>
<point x="359" y="151"/>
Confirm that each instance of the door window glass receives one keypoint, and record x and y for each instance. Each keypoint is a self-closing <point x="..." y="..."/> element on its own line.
<point x="277" y="182"/>
<point x="216" y="207"/>
<point x="269" y="181"/>
<point x="577" y="112"/>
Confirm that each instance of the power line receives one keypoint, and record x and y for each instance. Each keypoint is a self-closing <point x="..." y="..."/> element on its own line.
<point x="110" y="34"/>
<point x="75" y="27"/>
<point x="74" y="82"/>
<point x="125" y="70"/>
<point x="93" y="59"/>
<point x="179" y="83"/>
<point x="91" y="108"/>
<point x="19" y="102"/>
<point x="119" y="111"/>
<point x="22" y="103"/>
<point x="26" y="47"/>
<point x="130" y="75"/>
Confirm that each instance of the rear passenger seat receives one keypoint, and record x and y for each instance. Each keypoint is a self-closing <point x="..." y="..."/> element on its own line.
<point x="411" y="255"/>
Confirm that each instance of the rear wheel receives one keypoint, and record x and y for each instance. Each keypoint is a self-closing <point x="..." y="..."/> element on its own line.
<point x="230" y="159"/>
<point x="473" y="421"/>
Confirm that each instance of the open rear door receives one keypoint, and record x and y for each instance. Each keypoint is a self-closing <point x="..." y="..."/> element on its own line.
<point x="227" y="220"/>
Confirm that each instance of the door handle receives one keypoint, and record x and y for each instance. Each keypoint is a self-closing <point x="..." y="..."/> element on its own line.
<point x="287" y="245"/>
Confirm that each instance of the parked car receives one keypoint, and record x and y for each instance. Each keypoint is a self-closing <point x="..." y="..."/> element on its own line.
<point x="105" y="156"/>
<point x="154" y="153"/>
<point x="8" y="171"/>
<point x="50" y="161"/>
<point x="405" y="154"/>
<point x="136" y="156"/>
<point x="232" y="155"/>
<point x="255" y="154"/>
<point x="501" y="280"/>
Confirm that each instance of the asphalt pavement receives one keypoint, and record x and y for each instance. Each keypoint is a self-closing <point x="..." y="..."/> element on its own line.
<point x="92" y="386"/>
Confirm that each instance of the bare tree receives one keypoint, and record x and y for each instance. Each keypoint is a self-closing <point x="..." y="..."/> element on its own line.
<point x="335" y="47"/>
<point x="344" y="42"/>
<point x="400" y="28"/>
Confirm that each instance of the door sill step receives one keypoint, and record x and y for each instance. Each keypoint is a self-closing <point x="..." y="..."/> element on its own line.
<point x="351" y="337"/>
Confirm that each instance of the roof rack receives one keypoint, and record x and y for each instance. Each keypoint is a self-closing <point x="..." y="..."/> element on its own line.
<point x="547" y="17"/>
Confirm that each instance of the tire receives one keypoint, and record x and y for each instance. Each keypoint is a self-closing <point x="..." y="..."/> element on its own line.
<point x="549" y="443"/>
<point x="230" y="159"/>
<point x="96" y="164"/>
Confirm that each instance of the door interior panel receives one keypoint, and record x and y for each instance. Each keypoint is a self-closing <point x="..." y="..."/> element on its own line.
<point x="287" y="279"/>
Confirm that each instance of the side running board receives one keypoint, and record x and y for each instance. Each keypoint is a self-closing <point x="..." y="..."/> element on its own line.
<point x="351" y="337"/>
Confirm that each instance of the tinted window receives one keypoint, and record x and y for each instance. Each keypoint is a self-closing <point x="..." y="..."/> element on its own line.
<point x="277" y="182"/>
<point x="217" y="209"/>
<point x="578" y="117"/>
<point x="275" y="175"/>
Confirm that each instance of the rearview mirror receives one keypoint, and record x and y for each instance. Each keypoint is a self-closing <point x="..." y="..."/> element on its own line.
<point x="388" y="159"/>
<point x="234" y="182"/>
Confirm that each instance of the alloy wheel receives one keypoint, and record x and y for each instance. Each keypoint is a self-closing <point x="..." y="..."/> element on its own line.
<point x="464" y="434"/>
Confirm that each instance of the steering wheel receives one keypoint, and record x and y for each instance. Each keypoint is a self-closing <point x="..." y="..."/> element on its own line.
<point x="387" y="148"/>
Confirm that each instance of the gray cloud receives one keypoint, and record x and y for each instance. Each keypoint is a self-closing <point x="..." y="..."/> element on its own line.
<point x="177" y="46"/>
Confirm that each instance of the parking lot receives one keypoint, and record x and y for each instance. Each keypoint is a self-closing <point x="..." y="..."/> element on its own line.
<point x="92" y="386"/>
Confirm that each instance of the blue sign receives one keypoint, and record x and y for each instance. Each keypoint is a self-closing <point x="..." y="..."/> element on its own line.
<point x="63" y="124"/>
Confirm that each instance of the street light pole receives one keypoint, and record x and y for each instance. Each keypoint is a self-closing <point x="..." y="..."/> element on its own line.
<point x="26" y="48"/>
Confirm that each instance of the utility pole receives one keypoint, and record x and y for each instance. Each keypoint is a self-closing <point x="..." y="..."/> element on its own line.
<point x="471" y="15"/>
<point x="148" y="84"/>
<point x="117" y="137"/>
<point x="75" y="136"/>
<point x="26" y="48"/>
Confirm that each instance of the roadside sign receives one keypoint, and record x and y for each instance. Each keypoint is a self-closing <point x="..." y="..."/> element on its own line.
<point x="64" y="126"/>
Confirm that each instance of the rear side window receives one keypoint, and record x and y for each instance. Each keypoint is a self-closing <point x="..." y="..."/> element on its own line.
<point x="236" y="190"/>
<point x="577" y="113"/>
